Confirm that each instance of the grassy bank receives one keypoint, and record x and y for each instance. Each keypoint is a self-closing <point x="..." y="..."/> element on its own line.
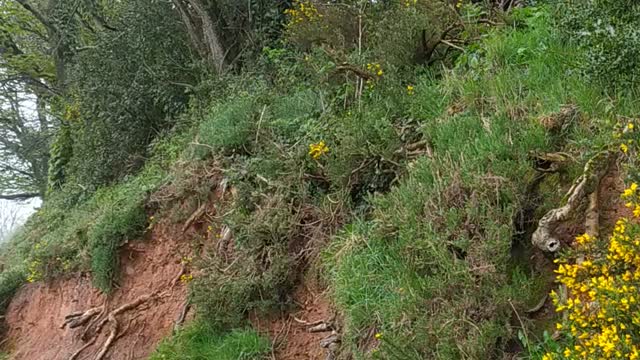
<point x="407" y="196"/>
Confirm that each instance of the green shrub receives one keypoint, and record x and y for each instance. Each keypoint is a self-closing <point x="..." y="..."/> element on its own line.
<point x="228" y="126"/>
<point x="10" y="281"/>
<point x="199" y="341"/>
<point x="255" y="281"/>
<point x="106" y="237"/>
<point x="79" y="230"/>
<point x="608" y="31"/>
<point x="129" y="87"/>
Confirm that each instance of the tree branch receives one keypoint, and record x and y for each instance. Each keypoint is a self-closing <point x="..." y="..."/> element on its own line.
<point x="38" y="15"/>
<point x="20" y="196"/>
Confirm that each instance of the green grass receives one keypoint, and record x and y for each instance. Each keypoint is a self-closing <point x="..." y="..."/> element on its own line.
<point x="431" y="270"/>
<point x="426" y="258"/>
<point x="199" y="341"/>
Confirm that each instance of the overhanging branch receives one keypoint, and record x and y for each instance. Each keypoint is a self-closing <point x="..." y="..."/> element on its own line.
<point x="38" y="15"/>
<point x="19" y="197"/>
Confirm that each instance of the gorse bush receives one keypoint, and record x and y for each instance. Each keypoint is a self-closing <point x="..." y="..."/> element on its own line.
<point x="599" y="279"/>
<point x="600" y="306"/>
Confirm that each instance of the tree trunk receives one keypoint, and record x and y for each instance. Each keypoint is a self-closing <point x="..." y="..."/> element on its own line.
<point x="212" y="41"/>
<point x="196" y="39"/>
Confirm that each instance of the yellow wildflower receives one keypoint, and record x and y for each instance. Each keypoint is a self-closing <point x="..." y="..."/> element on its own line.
<point x="318" y="149"/>
<point x="410" y="89"/>
<point x="624" y="148"/>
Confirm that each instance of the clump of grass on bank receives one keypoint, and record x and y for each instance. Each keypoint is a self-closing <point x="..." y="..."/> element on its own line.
<point x="198" y="341"/>
<point x="430" y="271"/>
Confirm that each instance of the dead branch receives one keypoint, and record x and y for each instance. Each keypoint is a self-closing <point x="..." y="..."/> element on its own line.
<point x="580" y="196"/>
<point x="182" y="316"/>
<point x="331" y="339"/>
<point x="538" y="306"/>
<point x="306" y="323"/>
<point x="322" y="327"/>
<point x="196" y="215"/>
<point x="591" y="223"/>
<point x="178" y="277"/>
<point x="346" y="67"/>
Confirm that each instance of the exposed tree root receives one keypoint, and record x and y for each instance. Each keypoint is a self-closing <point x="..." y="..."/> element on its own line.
<point x="74" y="356"/>
<point x="581" y="197"/>
<point x="81" y="318"/>
<point x="112" y="335"/>
<point x="182" y="316"/>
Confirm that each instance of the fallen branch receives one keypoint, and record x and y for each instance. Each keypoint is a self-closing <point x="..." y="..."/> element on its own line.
<point x="196" y="215"/>
<point x="322" y="327"/>
<point x="182" y="316"/>
<point x="578" y="197"/>
<point x="363" y="74"/>
<point x="306" y="323"/>
<point x="538" y="306"/>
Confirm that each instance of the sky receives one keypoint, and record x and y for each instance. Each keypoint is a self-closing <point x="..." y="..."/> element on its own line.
<point x="13" y="214"/>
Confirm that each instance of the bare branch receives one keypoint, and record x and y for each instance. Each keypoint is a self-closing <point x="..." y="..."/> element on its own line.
<point x="19" y="197"/>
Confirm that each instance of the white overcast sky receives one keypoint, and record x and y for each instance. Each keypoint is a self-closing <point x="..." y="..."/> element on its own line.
<point x="19" y="211"/>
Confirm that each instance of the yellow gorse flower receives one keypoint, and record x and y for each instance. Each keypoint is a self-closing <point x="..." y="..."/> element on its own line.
<point x="624" y="148"/>
<point x="318" y="149"/>
<point x="408" y="3"/>
<point x="600" y="313"/>
<point x="302" y="11"/>
<point x="376" y="68"/>
<point x="410" y="89"/>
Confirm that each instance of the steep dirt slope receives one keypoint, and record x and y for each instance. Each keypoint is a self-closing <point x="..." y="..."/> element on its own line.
<point x="38" y="310"/>
<point x="290" y="331"/>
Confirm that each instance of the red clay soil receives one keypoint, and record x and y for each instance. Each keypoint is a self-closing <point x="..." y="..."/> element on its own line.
<point x="611" y="205"/>
<point x="38" y="310"/>
<point x="291" y="340"/>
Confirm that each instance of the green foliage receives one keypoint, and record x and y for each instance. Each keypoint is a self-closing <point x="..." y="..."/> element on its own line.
<point x="229" y="126"/>
<point x="429" y="270"/>
<point x="607" y="31"/>
<point x="61" y="151"/>
<point x="199" y="341"/>
<point x="129" y="85"/>
<point x="10" y="281"/>
<point x="106" y="237"/>
<point x="75" y="230"/>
